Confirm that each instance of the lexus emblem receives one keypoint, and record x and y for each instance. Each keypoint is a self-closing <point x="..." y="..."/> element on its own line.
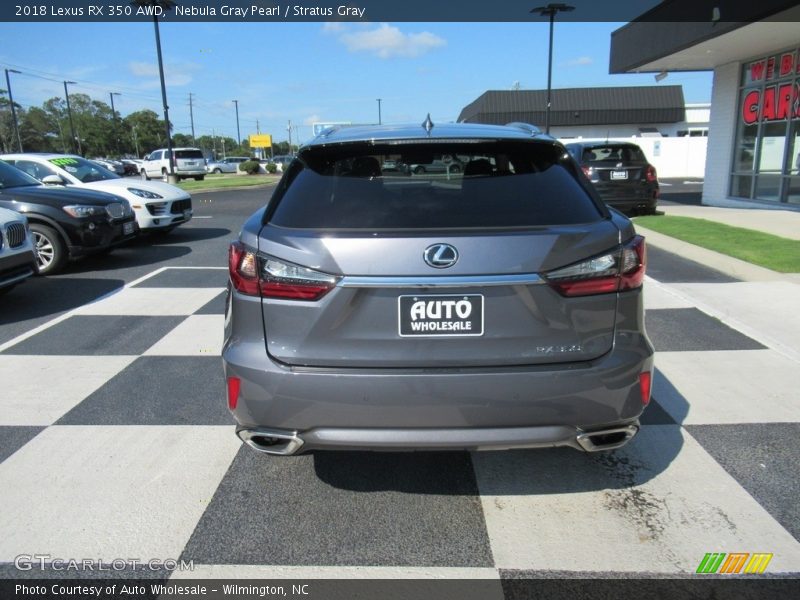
<point x="440" y="256"/>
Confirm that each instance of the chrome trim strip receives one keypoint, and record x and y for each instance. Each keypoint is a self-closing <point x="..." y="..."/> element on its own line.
<point x="440" y="282"/>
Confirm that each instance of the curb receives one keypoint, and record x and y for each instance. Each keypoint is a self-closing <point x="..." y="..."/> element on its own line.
<point x="734" y="267"/>
<point x="231" y="189"/>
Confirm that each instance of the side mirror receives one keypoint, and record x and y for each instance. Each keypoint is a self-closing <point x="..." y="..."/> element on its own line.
<point x="53" y="180"/>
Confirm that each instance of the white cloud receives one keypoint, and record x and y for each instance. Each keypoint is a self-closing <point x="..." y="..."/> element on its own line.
<point x="175" y="74"/>
<point x="579" y="62"/>
<point x="333" y="27"/>
<point x="388" y="41"/>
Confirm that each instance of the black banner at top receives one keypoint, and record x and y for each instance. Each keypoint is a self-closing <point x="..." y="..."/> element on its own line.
<point x="275" y="11"/>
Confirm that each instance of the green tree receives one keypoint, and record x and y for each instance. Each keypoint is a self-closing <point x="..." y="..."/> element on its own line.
<point x="145" y="130"/>
<point x="8" y="140"/>
<point x="40" y="132"/>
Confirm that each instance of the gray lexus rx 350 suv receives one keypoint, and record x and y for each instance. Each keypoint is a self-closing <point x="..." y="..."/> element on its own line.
<point x="496" y="307"/>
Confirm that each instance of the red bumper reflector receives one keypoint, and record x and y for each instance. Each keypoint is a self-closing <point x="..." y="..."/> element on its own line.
<point x="233" y="392"/>
<point x="644" y="386"/>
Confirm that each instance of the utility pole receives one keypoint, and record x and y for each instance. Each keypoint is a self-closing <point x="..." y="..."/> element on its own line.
<point x="238" y="134"/>
<point x="13" y="109"/>
<point x="214" y="142"/>
<point x="114" y="119"/>
<point x="551" y="10"/>
<point x="380" y="122"/>
<point x="191" y="116"/>
<point x="289" y="129"/>
<point x="71" y="124"/>
<point x="135" y="141"/>
<point x="258" y="127"/>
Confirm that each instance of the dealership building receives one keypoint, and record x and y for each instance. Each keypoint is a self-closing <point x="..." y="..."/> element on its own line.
<point x="753" y="155"/>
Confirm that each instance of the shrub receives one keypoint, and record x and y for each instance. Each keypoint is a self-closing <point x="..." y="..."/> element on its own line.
<point x="250" y="167"/>
<point x="272" y="168"/>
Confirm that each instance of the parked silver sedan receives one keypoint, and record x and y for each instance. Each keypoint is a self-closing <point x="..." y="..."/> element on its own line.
<point x="226" y="165"/>
<point x="498" y="309"/>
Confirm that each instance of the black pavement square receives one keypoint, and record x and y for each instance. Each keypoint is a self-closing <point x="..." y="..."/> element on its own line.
<point x="103" y="335"/>
<point x="12" y="438"/>
<point x="215" y="306"/>
<point x="763" y="458"/>
<point x="685" y="329"/>
<point x="158" y="390"/>
<point x="671" y="268"/>
<point x="186" y="278"/>
<point x="345" y="508"/>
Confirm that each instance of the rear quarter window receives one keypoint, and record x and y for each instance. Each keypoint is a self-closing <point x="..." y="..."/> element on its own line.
<point x="189" y="154"/>
<point x="481" y="185"/>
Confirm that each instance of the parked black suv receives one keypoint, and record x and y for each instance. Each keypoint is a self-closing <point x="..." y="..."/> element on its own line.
<point x="66" y="222"/>
<point x="620" y="173"/>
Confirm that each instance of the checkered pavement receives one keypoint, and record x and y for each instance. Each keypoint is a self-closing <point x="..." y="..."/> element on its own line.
<point x="115" y="443"/>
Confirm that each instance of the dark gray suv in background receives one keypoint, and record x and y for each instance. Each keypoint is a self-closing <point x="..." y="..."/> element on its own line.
<point x="500" y="307"/>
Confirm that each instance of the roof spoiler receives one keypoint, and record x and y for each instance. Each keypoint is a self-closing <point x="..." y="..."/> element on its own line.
<point x="532" y="129"/>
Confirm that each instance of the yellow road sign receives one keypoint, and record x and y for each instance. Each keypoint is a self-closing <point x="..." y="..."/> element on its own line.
<point x="261" y="140"/>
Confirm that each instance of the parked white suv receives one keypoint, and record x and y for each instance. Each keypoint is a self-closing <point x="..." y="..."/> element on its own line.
<point x="188" y="162"/>
<point x="17" y="254"/>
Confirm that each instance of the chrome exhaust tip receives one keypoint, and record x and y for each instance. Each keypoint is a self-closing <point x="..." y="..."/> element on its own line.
<point x="606" y="439"/>
<point x="271" y="441"/>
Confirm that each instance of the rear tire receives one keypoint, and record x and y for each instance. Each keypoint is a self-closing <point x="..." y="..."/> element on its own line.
<point x="200" y="178"/>
<point x="51" y="252"/>
<point x="143" y="173"/>
<point x="217" y="171"/>
<point x="165" y="176"/>
<point x="419" y="170"/>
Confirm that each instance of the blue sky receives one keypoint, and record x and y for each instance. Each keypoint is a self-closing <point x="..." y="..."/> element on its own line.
<point x="309" y="72"/>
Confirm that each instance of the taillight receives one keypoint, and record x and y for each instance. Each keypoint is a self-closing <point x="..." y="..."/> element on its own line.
<point x="650" y="174"/>
<point x="243" y="269"/>
<point x="284" y="280"/>
<point x="587" y="170"/>
<point x="645" y="381"/>
<point x="233" y="392"/>
<point x="621" y="269"/>
<point x="273" y="278"/>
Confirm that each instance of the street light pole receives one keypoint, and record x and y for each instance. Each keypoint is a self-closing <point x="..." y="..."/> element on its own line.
<point x="165" y="5"/>
<point x="238" y="133"/>
<point x="13" y="109"/>
<point x="380" y="122"/>
<point x="71" y="124"/>
<point x="550" y="11"/>
<point x="114" y="119"/>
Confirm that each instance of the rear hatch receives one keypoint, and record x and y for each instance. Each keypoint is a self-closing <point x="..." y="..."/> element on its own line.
<point x="189" y="160"/>
<point x="618" y="171"/>
<point x="432" y="271"/>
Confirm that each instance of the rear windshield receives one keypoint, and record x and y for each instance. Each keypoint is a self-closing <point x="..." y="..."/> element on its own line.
<point x="188" y="154"/>
<point x="619" y="153"/>
<point x="432" y="186"/>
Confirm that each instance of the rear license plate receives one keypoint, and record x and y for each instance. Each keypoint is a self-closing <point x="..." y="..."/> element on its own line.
<point x="127" y="228"/>
<point x="440" y="315"/>
<point x="619" y="174"/>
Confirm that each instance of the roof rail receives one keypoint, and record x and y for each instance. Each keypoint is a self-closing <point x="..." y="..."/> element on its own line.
<point x="532" y="129"/>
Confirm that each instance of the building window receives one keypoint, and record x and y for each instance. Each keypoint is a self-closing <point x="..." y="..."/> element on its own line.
<point x="766" y="153"/>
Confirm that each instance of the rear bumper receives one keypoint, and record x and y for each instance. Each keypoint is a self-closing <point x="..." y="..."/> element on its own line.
<point x="497" y="407"/>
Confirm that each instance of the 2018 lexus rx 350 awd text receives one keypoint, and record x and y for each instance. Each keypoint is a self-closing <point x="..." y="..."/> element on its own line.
<point x="497" y="307"/>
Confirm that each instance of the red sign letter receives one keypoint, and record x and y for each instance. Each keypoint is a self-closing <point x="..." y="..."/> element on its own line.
<point x="750" y="107"/>
<point x="768" y="106"/>
<point x="787" y="62"/>
<point x="757" y="70"/>
<point x="784" y="101"/>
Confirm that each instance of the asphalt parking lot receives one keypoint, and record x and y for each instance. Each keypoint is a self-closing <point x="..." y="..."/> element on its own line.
<point x="115" y="442"/>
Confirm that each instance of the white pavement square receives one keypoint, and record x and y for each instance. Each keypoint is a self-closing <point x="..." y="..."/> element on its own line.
<point x="768" y="311"/>
<point x="111" y="492"/>
<point x="197" y="335"/>
<point x="38" y="390"/>
<point x="659" y="504"/>
<point x="739" y="386"/>
<point x="151" y="302"/>
<point x="657" y="296"/>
